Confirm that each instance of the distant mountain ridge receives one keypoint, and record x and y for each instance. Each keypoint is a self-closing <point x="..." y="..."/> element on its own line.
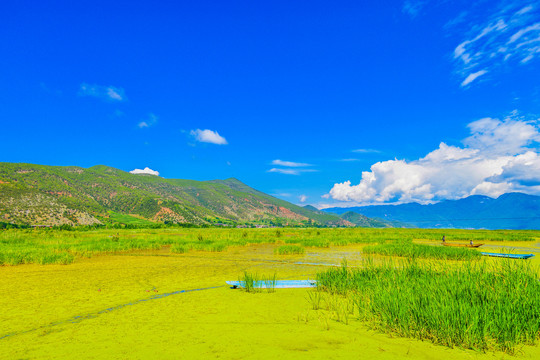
<point x="508" y="211"/>
<point x="54" y="195"/>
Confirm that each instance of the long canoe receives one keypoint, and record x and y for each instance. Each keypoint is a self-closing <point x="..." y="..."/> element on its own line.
<point x="510" y="256"/>
<point x="278" y="284"/>
<point x="463" y="245"/>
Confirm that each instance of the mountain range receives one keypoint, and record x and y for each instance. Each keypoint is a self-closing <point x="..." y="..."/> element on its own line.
<point x="508" y="211"/>
<point x="56" y="195"/>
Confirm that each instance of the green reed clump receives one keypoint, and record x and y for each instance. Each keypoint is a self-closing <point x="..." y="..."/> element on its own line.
<point x="471" y="305"/>
<point x="411" y="250"/>
<point x="290" y="250"/>
<point x="270" y="282"/>
<point x="250" y="282"/>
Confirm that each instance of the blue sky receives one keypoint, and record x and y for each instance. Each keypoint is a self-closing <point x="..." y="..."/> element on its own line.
<point x="338" y="103"/>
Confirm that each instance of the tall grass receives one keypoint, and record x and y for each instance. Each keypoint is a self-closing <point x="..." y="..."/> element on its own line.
<point x="472" y="305"/>
<point x="411" y="250"/>
<point x="22" y="246"/>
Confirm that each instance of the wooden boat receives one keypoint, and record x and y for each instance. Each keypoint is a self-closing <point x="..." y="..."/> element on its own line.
<point x="463" y="245"/>
<point x="511" y="256"/>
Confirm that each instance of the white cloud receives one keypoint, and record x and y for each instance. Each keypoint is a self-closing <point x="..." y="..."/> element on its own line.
<point x="510" y="34"/>
<point x="499" y="156"/>
<point x="292" y="168"/>
<point x="522" y="32"/>
<point x="146" y="170"/>
<point x="149" y="121"/>
<point x="510" y="136"/>
<point x="469" y="79"/>
<point x="208" y="136"/>
<point x="289" y="163"/>
<point x="302" y="198"/>
<point x="290" y="171"/>
<point x="285" y="171"/>
<point x="108" y="93"/>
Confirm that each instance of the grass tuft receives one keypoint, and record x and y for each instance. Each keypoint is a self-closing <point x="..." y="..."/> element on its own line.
<point x="289" y="250"/>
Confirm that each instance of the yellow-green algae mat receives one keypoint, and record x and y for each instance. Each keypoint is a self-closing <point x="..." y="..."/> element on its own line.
<point x="108" y="307"/>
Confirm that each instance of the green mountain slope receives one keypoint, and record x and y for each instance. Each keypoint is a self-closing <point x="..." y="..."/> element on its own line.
<point x="54" y="195"/>
<point x="364" y="221"/>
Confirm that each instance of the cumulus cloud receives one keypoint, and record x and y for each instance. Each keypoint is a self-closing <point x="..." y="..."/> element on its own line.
<point x="289" y="163"/>
<point x="509" y="35"/>
<point x="302" y="198"/>
<point x="208" y="136"/>
<point x="499" y="156"/>
<point x="146" y="170"/>
<point x="150" y="120"/>
<point x="107" y="93"/>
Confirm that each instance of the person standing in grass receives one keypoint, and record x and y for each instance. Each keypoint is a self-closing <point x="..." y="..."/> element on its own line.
<point x="443" y="239"/>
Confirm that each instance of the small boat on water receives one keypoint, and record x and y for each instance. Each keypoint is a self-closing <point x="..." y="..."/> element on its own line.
<point x="463" y="245"/>
<point x="510" y="256"/>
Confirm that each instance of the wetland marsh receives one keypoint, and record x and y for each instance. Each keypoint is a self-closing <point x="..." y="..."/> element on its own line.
<point x="134" y="294"/>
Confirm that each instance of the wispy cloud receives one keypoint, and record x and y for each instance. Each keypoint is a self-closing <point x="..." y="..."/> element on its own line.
<point x="302" y="198"/>
<point x="349" y="160"/>
<point x="289" y="163"/>
<point x="366" y="151"/>
<point x="107" y="93"/>
<point x="413" y="7"/>
<point x="150" y="120"/>
<point x="290" y="171"/>
<point x="510" y="35"/>
<point x="146" y="171"/>
<point x="208" y="136"/>
<point x="291" y="167"/>
<point x="282" y="194"/>
<point x="469" y="79"/>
